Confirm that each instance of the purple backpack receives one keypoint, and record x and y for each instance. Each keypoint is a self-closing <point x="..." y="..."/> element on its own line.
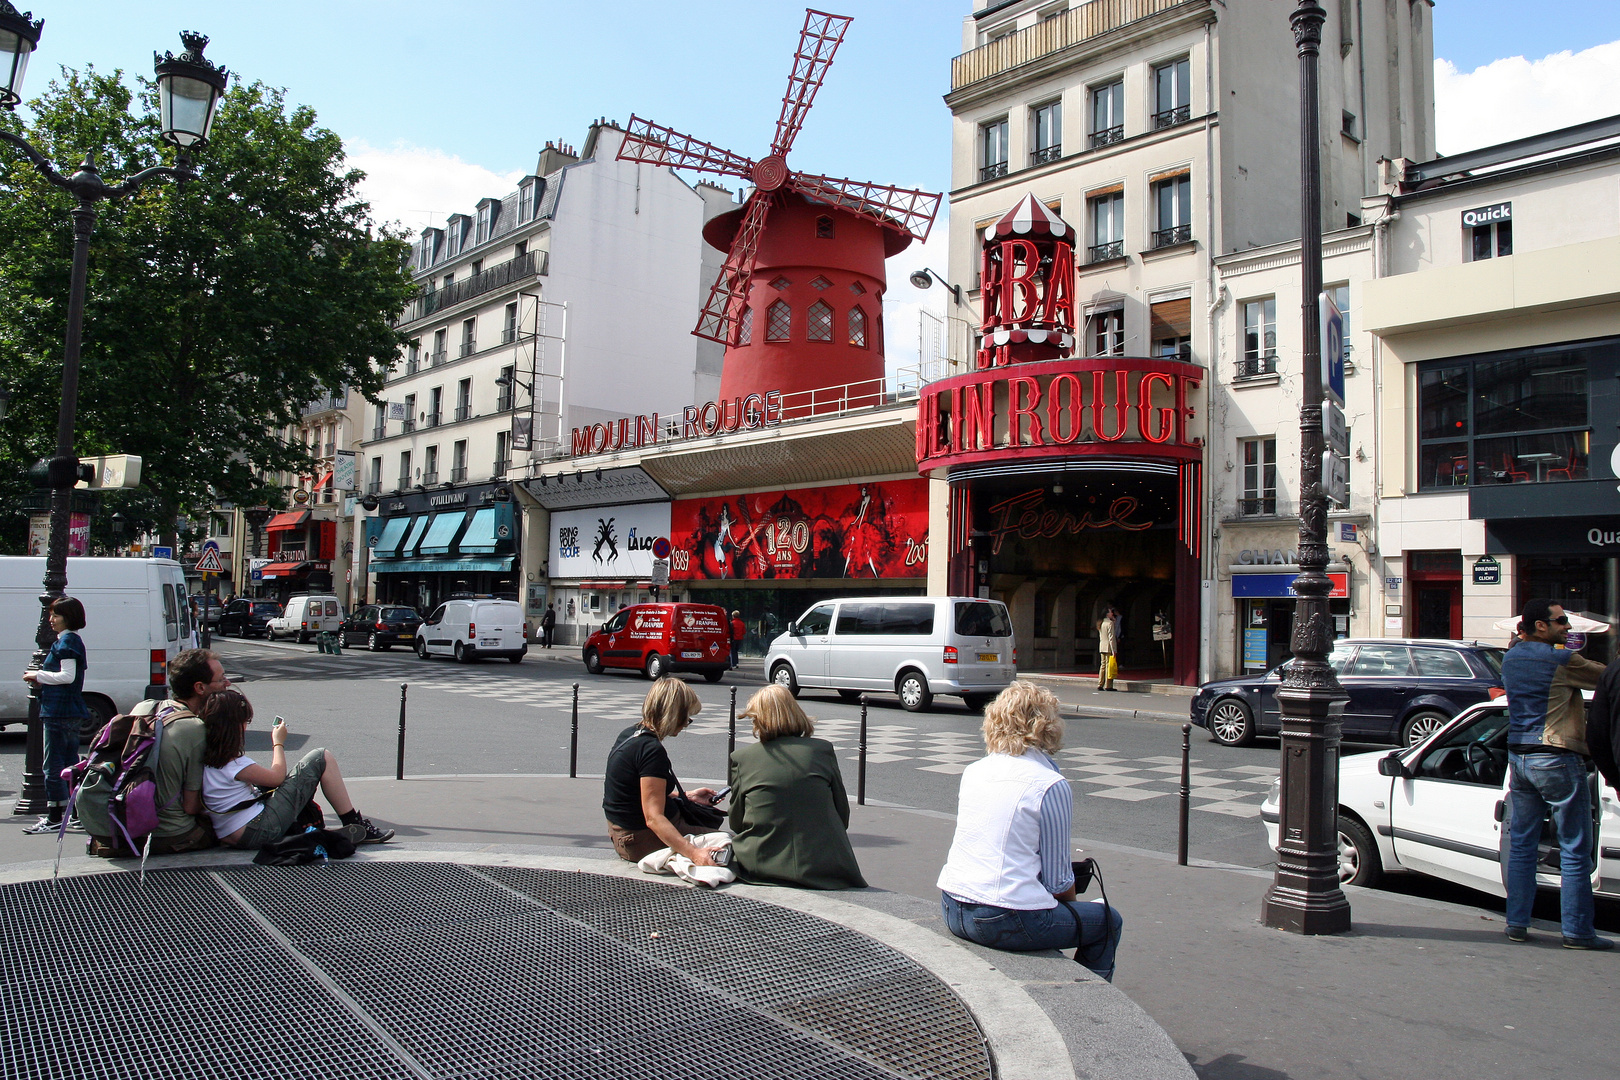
<point x="114" y="789"/>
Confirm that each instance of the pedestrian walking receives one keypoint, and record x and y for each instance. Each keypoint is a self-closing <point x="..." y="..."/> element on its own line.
<point x="62" y="709"/>
<point x="1107" y="650"/>
<point x="548" y="625"/>
<point x="1547" y="759"/>
<point x="739" y="630"/>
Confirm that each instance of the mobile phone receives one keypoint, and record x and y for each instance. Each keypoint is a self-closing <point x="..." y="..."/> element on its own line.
<point x="281" y="719"/>
<point x="722" y="793"/>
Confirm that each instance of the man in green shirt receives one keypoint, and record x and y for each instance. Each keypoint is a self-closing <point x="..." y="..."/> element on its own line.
<point x="193" y="675"/>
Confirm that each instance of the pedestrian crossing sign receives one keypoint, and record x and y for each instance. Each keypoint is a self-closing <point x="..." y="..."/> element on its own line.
<point x="209" y="563"/>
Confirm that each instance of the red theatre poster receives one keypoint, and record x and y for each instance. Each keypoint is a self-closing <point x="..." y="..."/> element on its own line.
<point x="847" y="531"/>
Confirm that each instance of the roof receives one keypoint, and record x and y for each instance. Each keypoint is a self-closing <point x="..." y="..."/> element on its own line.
<point x="1031" y="217"/>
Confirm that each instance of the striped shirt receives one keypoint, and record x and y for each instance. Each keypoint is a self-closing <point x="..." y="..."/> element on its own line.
<point x="1057" y="814"/>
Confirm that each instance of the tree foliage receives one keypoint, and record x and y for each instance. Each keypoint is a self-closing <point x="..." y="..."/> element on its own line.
<point x="216" y="309"/>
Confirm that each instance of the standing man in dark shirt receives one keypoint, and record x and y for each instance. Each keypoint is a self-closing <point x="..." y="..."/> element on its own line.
<point x="548" y="625"/>
<point x="1547" y="756"/>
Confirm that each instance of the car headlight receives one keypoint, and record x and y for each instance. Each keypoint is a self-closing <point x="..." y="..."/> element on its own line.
<point x="1275" y="794"/>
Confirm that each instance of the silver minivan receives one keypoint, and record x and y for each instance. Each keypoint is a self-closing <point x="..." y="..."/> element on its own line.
<point x="913" y="646"/>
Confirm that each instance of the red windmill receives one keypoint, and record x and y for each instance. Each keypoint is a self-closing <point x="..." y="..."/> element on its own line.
<point x="798" y="304"/>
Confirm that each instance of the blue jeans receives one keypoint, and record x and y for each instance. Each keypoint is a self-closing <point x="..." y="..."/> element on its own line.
<point x="1072" y="924"/>
<point x="61" y="752"/>
<point x="1555" y="782"/>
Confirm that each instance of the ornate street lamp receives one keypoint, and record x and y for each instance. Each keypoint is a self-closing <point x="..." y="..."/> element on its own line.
<point x="189" y="88"/>
<point x="1305" y="896"/>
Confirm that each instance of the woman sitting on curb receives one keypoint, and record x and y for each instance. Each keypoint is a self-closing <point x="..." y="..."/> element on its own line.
<point x="246" y="816"/>
<point x="640" y="780"/>
<point x="788" y="806"/>
<point x="1008" y="881"/>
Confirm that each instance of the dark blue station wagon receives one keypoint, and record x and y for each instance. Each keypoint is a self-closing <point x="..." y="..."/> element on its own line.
<point x="1401" y="691"/>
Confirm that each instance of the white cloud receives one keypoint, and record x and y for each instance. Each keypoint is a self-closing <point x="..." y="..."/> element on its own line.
<point x="903" y="302"/>
<point x="1514" y="97"/>
<point x="418" y="186"/>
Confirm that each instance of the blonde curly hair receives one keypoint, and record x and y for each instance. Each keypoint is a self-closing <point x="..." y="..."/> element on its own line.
<point x="1022" y="716"/>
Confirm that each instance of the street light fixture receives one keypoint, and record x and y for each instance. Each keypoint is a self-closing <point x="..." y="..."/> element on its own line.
<point x="925" y="277"/>
<point x="187" y="118"/>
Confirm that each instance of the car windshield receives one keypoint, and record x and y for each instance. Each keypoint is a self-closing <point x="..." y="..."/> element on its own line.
<point x="980" y="619"/>
<point x="395" y="614"/>
<point x="267" y="609"/>
<point x="1493" y="659"/>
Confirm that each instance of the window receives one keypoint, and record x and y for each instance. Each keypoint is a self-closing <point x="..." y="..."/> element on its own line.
<point x="458" y="461"/>
<point x="375" y="484"/>
<point x="1108" y="333"/>
<point x="467" y="346"/>
<point x="778" y="321"/>
<point x="405" y="469"/>
<point x="439" y="336"/>
<point x="1341" y="300"/>
<point x="1490" y="241"/>
<point x="520" y="249"/>
<point x="1475" y="753"/>
<point x="1441" y="664"/>
<point x="525" y="208"/>
<point x="820" y="284"/>
<point x="486" y="221"/>
<point x="1381" y="662"/>
<point x="982" y="620"/>
<point x="817" y="621"/>
<point x="464" y="399"/>
<point x="1170" y="326"/>
<point x="509" y="324"/>
<point x="1172" y="93"/>
<point x="222" y="526"/>
<point x="745" y="332"/>
<point x="503" y="388"/>
<point x="824" y="227"/>
<point x="1259" y="458"/>
<point x="857" y="327"/>
<point x="424" y="250"/>
<point x="780" y="283"/>
<point x="449" y="280"/>
<point x="1107" y="213"/>
<point x="1507" y="418"/>
<point x="413" y="356"/>
<point x="1048" y="133"/>
<point x="435" y="406"/>
<point x="503" y="453"/>
<point x="476" y="268"/>
<point x="1259" y="338"/>
<point x="857" y="288"/>
<point x="410" y="413"/>
<point x="1108" y="113"/>
<point x="455" y="231"/>
<point x="430" y="465"/>
<point x="1347" y="123"/>
<point x="1172" y="206"/>
<point x="820" y="323"/>
<point x="993" y="149"/>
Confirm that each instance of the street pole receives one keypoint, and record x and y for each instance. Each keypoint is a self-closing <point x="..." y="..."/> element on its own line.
<point x="1305" y="897"/>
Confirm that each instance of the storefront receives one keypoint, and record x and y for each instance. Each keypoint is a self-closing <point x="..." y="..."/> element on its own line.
<point x="1264" y="598"/>
<point x="429" y="547"/>
<point x="301" y="550"/>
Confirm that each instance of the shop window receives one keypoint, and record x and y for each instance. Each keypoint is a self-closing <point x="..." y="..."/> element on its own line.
<point x="819" y="326"/>
<point x="778" y="321"/>
<point x="1508" y="418"/>
<point x="1259" y="457"/>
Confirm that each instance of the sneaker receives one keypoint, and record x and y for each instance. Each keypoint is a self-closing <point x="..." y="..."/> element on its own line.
<point x="75" y="825"/>
<point x="364" y="832"/>
<point x="1591" y="944"/>
<point x="42" y="826"/>
<point x="1518" y="933"/>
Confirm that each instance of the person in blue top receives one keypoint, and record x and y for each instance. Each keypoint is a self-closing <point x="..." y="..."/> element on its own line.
<point x="1548" y="760"/>
<point x="62" y="710"/>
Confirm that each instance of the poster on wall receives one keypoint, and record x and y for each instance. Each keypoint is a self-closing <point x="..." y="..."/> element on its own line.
<point x="877" y="530"/>
<point x="39" y="534"/>
<point x="608" y="541"/>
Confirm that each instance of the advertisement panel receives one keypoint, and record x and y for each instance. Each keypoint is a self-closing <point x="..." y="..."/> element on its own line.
<point x="875" y="530"/>
<point x="39" y="534"/>
<point x="612" y="541"/>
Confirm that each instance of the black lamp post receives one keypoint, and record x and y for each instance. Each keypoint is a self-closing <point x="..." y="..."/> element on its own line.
<point x="189" y="89"/>
<point x="1305" y="896"/>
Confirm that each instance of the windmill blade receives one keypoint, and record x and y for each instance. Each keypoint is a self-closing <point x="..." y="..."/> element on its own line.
<point x="903" y="208"/>
<point x="721" y="318"/>
<point x="820" y="38"/>
<point x="659" y="145"/>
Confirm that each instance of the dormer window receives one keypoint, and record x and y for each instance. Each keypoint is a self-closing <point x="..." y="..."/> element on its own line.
<point x="488" y="210"/>
<point x="528" y="198"/>
<point x="427" y="248"/>
<point x="455" y="235"/>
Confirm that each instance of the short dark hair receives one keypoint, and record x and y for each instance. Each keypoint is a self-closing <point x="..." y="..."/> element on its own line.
<point x="223" y="713"/>
<point x="71" y="610"/>
<point x="188" y="669"/>
<point x="1536" y="611"/>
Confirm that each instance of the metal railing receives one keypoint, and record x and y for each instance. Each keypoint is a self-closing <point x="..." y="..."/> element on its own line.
<point x="374" y="488"/>
<point x="498" y="470"/>
<point x="468" y="348"/>
<point x="508" y="335"/>
<point x="463" y="412"/>
<point x="404" y="482"/>
<point x="410" y="424"/>
<point x="458" y="474"/>
<point x="439" y="357"/>
<point x="1257" y="506"/>
<point x="379" y="432"/>
<point x="1253" y="366"/>
<point x="430" y="476"/>
<point x="1107" y="136"/>
<point x="503" y="401"/>
<point x="434" y="419"/>
<point x="328" y="403"/>
<point x="528" y="265"/>
<point x="1046" y="153"/>
<point x="1077" y="25"/>
<point x="411" y="365"/>
<point x="1175" y="234"/>
<point x="1171" y="117"/>
<point x="1114" y="249"/>
<point x="993" y="170"/>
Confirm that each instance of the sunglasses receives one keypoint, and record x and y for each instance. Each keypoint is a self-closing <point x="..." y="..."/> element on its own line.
<point x="1562" y="620"/>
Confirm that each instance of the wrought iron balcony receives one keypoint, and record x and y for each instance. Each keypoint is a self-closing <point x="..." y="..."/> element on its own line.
<point x="529" y="264"/>
<point x="463" y="412"/>
<point x="411" y="365"/>
<point x="1175" y="234"/>
<point x="509" y="335"/>
<point x="1046" y="153"/>
<point x="1066" y="31"/>
<point x="430" y="477"/>
<point x="503" y="402"/>
<point x="1171" y="117"/>
<point x="1252" y="366"/>
<point x="404" y="482"/>
<point x="1258" y="505"/>
<point x="993" y="170"/>
<point x="328" y="403"/>
<point x="458" y="474"/>
<point x="1105" y="136"/>
<point x="498" y="470"/>
<point x="434" y="419"/>
<point x="440" y="357"/>
<point x="410" y="424"/>
<point x="468" y="348"/>
<point x="380" y="431"/>
<point x="374" y="488"/>
<point x="1114" y="249"/>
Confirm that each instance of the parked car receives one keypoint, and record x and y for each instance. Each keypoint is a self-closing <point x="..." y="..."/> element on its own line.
<point x="657" y="639"/>
<point x="307" y="615"/>
<point x="473" y="629"/>
<point x="1401" y="690"/>
<point x="209" y="608"/>
<point x="914" y="646"/>
<point x="138" y="620"/>
<point x="246" y="617"/>
<point x="1440" y="809"/>
<point x="381" y="626"/>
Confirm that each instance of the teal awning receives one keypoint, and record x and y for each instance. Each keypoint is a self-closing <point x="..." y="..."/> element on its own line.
<point x="418" y="527"/>
<point x="441" y="566"/>
<point x="441" y="534"/>
<point x="479" y="538"/>
<point x="393" y="531"/>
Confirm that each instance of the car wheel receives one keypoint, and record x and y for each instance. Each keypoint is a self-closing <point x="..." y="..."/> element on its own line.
<point x="516" y="658"/>
<point x="1420" y="726"/>
<point x="914" y="693"/>
<point x="421" y="648"/>
<point x="1231" y="723"/>
<point x="593" y="662"/>
<point x="850" y="695"/>
<point x="657" y="667"/>
<point x="714" y="674"/>
<point x="303" y="638"/>
<point x="977" y="703"/>
<point x="372" y="643"/>
<point x="462" y="655"/>
<point x="101" y="711"/>
<point x="1359" y="863"/>
<point x="782" y="675"/>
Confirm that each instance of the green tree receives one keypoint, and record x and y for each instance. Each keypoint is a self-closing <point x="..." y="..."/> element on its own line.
<point x="216" y="309"/>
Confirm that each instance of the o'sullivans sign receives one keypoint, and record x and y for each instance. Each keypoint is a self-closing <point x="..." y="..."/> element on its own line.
<point x="1112" y="405"/>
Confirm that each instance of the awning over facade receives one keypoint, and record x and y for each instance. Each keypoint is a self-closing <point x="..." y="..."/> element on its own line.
<point x="443" y="566"/>
<point x="414" y="537"/>
<point x="282" y="569"/>
<point x="490" y="526"/>
<point x="289" y="520"/>
<point x="393" y="532"/>
<point x="441" y="532"/>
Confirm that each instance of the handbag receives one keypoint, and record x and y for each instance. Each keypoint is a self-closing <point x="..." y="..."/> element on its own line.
<point x="705" y="818"/>
<point x="1113" y="667"/>
<point x="1084" y="871"/>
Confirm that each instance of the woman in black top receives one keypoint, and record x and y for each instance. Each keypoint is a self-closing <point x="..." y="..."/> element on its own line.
<point x="640" y="778"/>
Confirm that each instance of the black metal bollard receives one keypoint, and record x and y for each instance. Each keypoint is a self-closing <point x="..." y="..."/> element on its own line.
<point x="1186" y="792"/>
<point x="860" y="773"/>
<point x="731" y="739"/>
<point x="399" y="761"/>
<point x="573" y="739"/>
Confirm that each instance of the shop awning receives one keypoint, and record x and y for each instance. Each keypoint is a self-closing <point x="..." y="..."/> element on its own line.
<point x="443" y="566"/>
<point x="393" y="531"/>
<point x="481" y="535"/>
<point x="282" y="569"/>
<point x="414" y="537"/>
<point x="442" y="532"/>
<point x="326" y="478"/>
<point x="290" y="520"/>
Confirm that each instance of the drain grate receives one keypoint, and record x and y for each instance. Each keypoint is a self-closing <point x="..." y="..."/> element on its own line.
<point x="489" y="972"/>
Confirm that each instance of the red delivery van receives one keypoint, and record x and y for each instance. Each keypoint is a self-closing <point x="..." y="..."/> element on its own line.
<point x="657" y="639"/>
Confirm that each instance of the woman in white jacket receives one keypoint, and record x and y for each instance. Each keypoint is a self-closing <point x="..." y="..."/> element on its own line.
<point x="1008" y="882"/>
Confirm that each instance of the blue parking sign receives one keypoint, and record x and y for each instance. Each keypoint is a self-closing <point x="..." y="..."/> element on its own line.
<point x="1332" y="349"/>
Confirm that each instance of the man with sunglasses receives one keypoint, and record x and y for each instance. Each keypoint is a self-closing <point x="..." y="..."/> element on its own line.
<point x="1548" y="758"/>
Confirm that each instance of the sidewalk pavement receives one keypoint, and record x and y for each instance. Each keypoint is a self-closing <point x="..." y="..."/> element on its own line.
<point x="1419" y="988"/>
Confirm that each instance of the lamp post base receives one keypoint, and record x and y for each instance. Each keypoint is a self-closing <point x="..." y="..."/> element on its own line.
<point x="31" y="801"/>
<point x="1305" y="910"/>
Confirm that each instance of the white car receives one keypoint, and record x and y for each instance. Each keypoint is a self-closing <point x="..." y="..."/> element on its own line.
<point x="472" y="629"/>
<point x="1437" y="809"/>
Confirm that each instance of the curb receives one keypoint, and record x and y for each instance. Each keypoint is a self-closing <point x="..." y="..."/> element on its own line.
<point x="1099" y="711"/>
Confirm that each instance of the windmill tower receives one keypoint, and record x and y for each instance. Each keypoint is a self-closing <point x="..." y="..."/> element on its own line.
<point x="799" y="301"/>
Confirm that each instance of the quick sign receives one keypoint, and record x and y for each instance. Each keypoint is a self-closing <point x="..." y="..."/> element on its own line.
<point x="1487" y="215"/>
<point x="608" y="541"/>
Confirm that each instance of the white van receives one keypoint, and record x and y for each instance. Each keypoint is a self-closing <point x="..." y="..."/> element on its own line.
<point x="472" y="629"/>
<point x="137" y="619"/>
<point x="914" y="646"/>
<point x="305" y="616"/>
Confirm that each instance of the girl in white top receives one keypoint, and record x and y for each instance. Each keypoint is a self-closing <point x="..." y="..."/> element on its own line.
<point x="253" y="805"/>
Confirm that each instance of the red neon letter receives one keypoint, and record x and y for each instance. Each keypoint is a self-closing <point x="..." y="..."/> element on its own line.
<point x="1121" y="404"/>
<point x="1018" y="295"/>
<point x="1015" y="391"/>
<point x="1145" y="409"/>
<point x="979" y="416"/>
<point x="1056" y="410"/>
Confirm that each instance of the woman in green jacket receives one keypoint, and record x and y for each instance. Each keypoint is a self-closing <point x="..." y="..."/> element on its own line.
<point x="788" y="806"/>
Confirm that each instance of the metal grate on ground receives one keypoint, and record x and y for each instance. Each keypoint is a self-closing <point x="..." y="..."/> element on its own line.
<point x="436" y="970"/>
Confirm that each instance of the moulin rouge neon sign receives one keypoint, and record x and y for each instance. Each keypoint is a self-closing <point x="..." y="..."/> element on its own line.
<point x="697" y="421"/>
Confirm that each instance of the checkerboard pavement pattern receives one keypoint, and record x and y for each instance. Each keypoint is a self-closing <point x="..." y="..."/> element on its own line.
<point x="1235" y="791"/>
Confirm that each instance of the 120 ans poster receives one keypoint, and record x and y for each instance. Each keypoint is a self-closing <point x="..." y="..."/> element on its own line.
<point x="847" y="531"/>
